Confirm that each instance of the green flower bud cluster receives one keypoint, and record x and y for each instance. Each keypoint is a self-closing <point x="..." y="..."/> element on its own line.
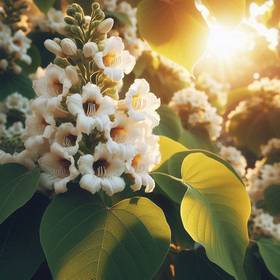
<point x="85" y="36"/>
<point x="84" y="28"/>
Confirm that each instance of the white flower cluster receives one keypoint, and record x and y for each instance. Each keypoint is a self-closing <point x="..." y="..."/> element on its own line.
<point x="235" y="158"/>
<point x="265" y="224"/>
<point x="126" y="30"/>
<point x="261" y="177"/>
<point x="79" y="131"/>
<point x="13" y="112"/>
<point x="195" y="111"/>
<point x="264" y="102"/>
<point x="217" y="92"/>
<point x="265" y="85"/>
<point x="52" y="22"/>
<point x="13" y="48"/>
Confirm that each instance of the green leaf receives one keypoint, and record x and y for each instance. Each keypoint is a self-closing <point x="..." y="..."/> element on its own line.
<point x="252" y="264"/>
<point x="170" y="124"/>
<point x="38" y="39"/>
<point x="168" y="148"/>
<point x="271" y="199"/>
<point x="174" y="29"/>
<point x="18" y="184"/>
<point x="194" y="265"/>
<point x="171" y="188"/>
<point x="11" y="83"/>
<point x="215" y="211"/>
<point x="270" y="251"/>
<point x="196" y="140"/>
<point x="84" y="239"/>
<point x="44" y="5"/>
<point x="21" y="252"/>
<point x="229" y="14"/>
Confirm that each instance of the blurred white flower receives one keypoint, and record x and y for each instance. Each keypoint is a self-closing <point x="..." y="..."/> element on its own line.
<point x="195" y="111"/>
<point x="235" y="158"/>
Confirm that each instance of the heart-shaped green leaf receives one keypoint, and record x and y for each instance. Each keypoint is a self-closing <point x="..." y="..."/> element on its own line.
<point x="170" y="124"/>
<point x="84" y="239"/>
<point x="194" y="265"/>
<point x="270" y="251"/>
<point x="21" y="252"/>
<point x="215" y="211"/>
<point x="18" y="184"/>
<point x="20" y="83"/>
<point x="174" y="29"/>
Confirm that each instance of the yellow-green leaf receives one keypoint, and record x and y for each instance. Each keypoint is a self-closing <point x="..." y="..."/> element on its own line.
<point x="226" y="12"/>
<point x="173" y="28"/>
<point x="215" y="211"/>
<point x="168" y="148"/>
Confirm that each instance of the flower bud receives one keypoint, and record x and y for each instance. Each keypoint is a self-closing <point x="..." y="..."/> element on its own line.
<point x="105" y="26"/>
<point x="4" y="64"/>
<point x="72" y="74"/>
<point x="61" y="62"/>
<point x="68" y="47"/>
<point x="69" y="20"/>
<point x="53" y="47"/>
<point x="87" y="20"/>
<point x="17" y="69"/>
<point x="90" y="49"/>
<point x="70" y="11"/>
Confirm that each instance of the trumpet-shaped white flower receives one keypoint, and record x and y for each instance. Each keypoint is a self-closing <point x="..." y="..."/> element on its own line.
<point x="114" y="60"/>
<point x="123" y="134"/>
<point x="141" y="104"/>
<point x="146" y="157"/>
<point x="54" y="83"/>
<point x="40" y="127"/>
<point x="102" y="170"/>
<point x="61" y="167"/>
<point x="66" y="139"/>
<point x="91" y="108"/>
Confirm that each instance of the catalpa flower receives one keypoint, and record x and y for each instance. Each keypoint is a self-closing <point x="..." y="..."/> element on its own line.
<point x="54" y="83"/>
<point x="102" y="170"/>
<point x="66" y="139"/>
<point x="114" y="60"/>
<point x="91" y="108"/>
<point x="80" y="131"/>
<point x="61" y="167"/>
<point x="141" y="103"/>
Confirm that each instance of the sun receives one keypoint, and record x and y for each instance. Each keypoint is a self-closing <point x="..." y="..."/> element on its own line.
<point x="225" y="42"/>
